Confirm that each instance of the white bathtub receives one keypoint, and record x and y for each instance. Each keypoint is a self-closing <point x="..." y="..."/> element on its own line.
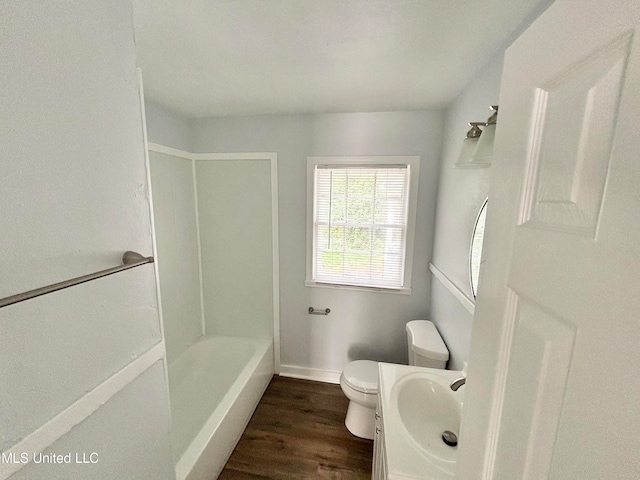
<point x="215" y="386"/>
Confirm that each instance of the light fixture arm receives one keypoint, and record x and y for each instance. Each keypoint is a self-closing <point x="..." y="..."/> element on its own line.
<point x="474" y="131"/>
<point x="493" y="119"/>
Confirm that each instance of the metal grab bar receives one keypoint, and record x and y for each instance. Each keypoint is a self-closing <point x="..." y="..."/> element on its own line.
<point x="313" y="311"/>
<point x="129" y="260"/>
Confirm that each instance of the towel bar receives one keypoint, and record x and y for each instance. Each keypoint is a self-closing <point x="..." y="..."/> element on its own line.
<point x="129" y="260"/>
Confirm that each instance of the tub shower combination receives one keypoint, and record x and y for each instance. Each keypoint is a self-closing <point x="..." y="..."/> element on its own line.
<point x="215" y="386"/>
<point x="218" y="295"/>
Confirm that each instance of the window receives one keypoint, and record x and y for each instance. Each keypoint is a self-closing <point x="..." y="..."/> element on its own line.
<point x="361" y="217"/>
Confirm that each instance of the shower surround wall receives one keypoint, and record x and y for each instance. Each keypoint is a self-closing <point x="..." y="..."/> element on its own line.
<point x="178" y="251"/>
<point x="234" y="208"/>
<point x="234" y="264"/>
<point x="213" y="222"/>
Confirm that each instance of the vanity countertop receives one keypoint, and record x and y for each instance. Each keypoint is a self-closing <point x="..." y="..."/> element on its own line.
<point x="421" y="453"/>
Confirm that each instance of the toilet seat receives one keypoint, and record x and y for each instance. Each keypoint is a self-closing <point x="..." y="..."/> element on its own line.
<point x="362" y="376"/>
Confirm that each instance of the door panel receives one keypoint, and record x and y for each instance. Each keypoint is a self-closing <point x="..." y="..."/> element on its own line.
<point x="542" y="350"/>
<point x="573" y="125"/>
<point x="552" y="390"/>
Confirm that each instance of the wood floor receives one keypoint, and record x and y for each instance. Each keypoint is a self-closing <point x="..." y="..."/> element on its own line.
<point x="298" y="432"/>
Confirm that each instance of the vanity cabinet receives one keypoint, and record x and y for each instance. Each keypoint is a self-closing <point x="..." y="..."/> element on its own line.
<point x="379" y="467"/>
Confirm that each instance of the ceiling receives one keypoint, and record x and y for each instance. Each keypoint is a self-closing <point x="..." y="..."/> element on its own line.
<point x="241" y="57"/>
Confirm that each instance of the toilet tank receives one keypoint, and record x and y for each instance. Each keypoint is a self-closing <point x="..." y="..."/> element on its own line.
<point x="425" y="345"/>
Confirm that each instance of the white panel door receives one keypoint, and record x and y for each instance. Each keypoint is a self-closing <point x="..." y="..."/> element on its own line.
<point x="553" y="387"/>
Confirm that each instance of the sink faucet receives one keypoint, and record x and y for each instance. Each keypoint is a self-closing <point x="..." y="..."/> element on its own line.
<point x="456" y="384"/>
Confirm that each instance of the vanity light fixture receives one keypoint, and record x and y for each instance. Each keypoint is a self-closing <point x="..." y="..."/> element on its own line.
<point x="469" y="144"/>
<point x="484" y="151"/>
<point x="477" y="148"/>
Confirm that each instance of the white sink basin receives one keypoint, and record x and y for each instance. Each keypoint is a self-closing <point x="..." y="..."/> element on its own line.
<point x="418" y="405"/>
<point x="427" y="408"/>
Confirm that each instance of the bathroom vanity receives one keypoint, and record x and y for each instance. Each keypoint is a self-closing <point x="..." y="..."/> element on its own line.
<point x="416" y="406"/>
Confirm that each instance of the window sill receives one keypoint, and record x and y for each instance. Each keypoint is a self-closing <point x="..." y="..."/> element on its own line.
<point x="397" y="291"/>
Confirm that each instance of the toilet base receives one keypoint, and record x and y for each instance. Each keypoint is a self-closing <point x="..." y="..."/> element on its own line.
<point x="361" y="420"/>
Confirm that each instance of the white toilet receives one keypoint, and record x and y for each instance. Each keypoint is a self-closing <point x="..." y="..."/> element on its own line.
<point x="359" y="380"/>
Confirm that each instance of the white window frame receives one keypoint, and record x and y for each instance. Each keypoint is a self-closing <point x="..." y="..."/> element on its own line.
<point x="413" y="164"/>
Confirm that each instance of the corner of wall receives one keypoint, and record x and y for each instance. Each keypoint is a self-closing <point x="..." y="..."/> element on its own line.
<point x="167" y="127"/>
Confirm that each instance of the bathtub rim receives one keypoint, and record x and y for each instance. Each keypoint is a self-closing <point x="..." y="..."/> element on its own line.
<point x="191" y="460"/>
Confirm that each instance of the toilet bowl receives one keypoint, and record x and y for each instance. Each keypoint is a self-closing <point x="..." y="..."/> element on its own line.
<point x="359" y="382"/>
<point x="359" y="379"/>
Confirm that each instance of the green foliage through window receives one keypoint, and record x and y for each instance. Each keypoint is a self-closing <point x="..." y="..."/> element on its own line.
<point x="360" y="216"/>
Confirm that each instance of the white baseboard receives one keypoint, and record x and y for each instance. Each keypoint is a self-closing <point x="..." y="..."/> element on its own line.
<point x="326" y="376"/>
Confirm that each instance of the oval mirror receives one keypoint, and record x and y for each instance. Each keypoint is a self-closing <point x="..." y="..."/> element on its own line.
<point x="475" y="254"/>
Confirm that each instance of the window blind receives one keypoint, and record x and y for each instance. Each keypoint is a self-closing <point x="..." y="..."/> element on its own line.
<point x="360" y="224"/>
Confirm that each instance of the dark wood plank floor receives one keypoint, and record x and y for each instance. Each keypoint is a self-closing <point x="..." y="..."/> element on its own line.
<point x="297" y="432"/>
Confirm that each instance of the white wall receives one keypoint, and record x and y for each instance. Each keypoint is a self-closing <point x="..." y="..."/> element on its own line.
<point x="73" y="198"/>
<point x="460" y="196"/>
<point x="178" y="261"/>
<point x="362" y="324"/>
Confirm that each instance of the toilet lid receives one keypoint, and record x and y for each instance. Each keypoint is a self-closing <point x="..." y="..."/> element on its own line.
<point x="362" y="375"/>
